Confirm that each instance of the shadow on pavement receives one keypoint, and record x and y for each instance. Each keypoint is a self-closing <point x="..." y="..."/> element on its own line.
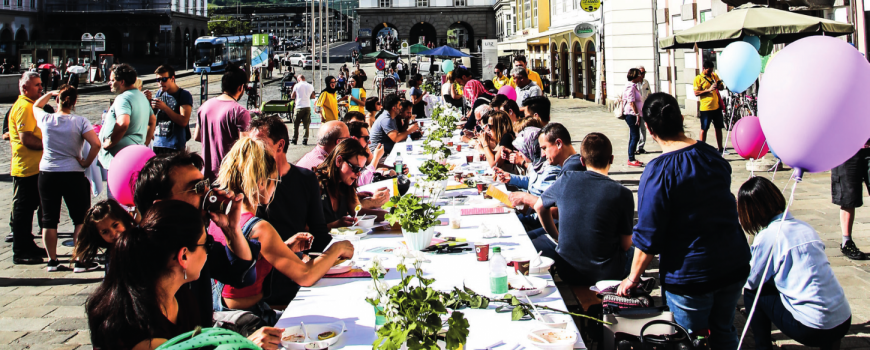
<point x="33" y="282"/>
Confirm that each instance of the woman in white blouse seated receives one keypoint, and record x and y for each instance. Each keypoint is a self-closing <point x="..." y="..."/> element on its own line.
<point x="799" y="293"/>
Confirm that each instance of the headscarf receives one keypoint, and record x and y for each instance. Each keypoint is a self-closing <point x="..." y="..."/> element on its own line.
<point x="527" y="143"/>
<point x="329" y="89"/>
<point x="472" y="89"/>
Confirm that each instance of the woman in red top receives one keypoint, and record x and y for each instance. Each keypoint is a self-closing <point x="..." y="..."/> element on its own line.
<point x="251" y="170"/>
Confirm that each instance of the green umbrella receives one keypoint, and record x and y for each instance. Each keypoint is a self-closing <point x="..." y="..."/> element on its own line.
<point x="780" y="26"/>
<point x="418" y="48"/>
<point x="382" y="54"/>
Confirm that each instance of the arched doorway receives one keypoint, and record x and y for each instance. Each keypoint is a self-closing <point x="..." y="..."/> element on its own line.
<point x="425" y="30"/>
<point x="563" y="70"/>
<point x="460" y="35"/>
<point x="385" y="30"/>
<point x="554" y="69"/>
<point x="590" y="71"/>
<point x="177" y="50"/>
<point x="21" y="34"/>
<point x="577" y="61"/>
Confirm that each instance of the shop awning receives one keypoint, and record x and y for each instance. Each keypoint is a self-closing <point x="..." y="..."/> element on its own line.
<point x="518" y="44"/>
<point x="553" y="31"/>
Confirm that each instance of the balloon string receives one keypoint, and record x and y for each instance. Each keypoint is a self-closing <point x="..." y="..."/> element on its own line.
<point x="751" y="167"/>
<point x="767" y="266"/>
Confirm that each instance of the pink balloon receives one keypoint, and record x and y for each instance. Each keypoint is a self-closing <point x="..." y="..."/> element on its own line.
<point x="748" y="139"/>
<point x="124" y="171"/>
<point x="812" y="103"/>
<point x="508" y="91"/>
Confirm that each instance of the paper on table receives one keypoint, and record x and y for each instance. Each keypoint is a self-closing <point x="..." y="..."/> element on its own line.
<point x="483" y="211"/>
<point x="496" y="193"/>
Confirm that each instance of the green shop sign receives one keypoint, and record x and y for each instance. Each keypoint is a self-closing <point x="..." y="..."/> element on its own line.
<point x="584" y="30"/>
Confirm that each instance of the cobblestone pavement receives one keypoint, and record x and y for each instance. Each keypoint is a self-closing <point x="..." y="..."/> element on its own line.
<point x="40" y="310"/>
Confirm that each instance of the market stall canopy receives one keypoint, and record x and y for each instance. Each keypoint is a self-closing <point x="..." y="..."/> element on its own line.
<point x="381" y="54"/>
<point x="417" y="48"/>
<point x="780" y="26"/>
<point x="444" y="52"/>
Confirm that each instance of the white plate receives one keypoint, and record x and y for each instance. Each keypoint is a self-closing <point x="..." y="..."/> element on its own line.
<point x="481" y="286"/>
<point x="313" y="330"/>
<point x="366" y="231"/>
<point x="340" y="268"/>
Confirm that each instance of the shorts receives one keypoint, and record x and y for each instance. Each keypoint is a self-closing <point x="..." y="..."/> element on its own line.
<point x="846" y="180"/>
<point x="715" y="116"/>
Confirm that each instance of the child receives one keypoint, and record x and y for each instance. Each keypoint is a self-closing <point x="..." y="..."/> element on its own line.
<point x="104" y="222"/>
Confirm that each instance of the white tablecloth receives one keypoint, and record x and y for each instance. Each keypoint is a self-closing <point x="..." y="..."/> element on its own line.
<point x="332" y="299"/>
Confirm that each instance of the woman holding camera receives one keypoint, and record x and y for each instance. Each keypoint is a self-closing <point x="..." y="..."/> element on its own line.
<point x="251" y="170"/>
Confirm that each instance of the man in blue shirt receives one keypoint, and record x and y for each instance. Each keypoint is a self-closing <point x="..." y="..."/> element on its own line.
<point x="597" y="219"/>
<point x="173" y="106"/>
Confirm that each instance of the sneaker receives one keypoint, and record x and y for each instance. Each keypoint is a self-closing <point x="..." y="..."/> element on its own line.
<point x="85" y="267"/>
<point x="640" y="151"/>
<point x="293" y="141"/>
<point x="305" y="142"/>
<point x="9" y="238"/>
<point x="54" y="265"/>
<point x="852" y="252"/>
<point x="27" y="260"/>
<point x="635" y="164"/>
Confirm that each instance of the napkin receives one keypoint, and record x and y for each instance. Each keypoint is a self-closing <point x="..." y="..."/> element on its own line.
<point x="483" y="211"/>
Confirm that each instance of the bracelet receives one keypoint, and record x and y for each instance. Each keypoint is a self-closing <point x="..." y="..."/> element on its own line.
<point x="629" y="279"/>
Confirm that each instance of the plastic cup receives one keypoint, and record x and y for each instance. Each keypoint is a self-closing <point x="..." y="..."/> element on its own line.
<point x="469" y="159"/>
<point x="522" y="267"/>
<point x="482" y="251"/>
<point x="458" y="148"/>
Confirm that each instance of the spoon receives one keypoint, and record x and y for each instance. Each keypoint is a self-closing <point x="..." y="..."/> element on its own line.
<point x="358" y="208"/>
<point x="535" y="309"/>
<point x="302" y="324"/>
<point x="538" y="259"/>
<point x="538" y="338"/>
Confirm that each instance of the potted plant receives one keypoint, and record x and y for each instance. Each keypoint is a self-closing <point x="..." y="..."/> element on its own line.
<point x="418" y="218"/>
<point x="413" y="310"/>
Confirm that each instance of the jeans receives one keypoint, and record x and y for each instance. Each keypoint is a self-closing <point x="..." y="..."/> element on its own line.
<point x="25" y="200"/>
<point x="303" y="115"/>
<point x="641" y="142"/>
<point x="634" y="135"/>
<point x="712" y="311"/>
<point x="770" y="309"/>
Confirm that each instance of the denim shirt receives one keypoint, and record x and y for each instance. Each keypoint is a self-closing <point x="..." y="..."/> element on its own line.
<point x="801" y="272"/>
<point x="536" y="183"/>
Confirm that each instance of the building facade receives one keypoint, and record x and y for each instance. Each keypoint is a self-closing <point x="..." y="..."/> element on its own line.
<point x="459" y="23"/>
<point x="18" y="25"/>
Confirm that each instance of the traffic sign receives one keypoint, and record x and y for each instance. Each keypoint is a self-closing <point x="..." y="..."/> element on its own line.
<point x="99" y="36"/>
<point x="87" y="36"/>
<point x="261" y="40"/>
<point x="380" y="64"/>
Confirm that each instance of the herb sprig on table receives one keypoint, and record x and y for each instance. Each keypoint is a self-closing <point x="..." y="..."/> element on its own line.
<point x="412" y="213"/>
<point x="434" y="170"/>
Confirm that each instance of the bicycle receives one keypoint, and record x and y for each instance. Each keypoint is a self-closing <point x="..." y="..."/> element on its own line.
<point x="739" y="105"/>
<point x="253" y="94"/>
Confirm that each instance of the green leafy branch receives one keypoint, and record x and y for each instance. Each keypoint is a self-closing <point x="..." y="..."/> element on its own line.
<point x="457" y="299"/>
<point x="412" y="213"/>
<point x="434" y="170"/>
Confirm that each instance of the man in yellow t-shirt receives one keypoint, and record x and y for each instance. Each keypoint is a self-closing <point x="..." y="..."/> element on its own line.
<point x="26" y="141"/>
<point x="706" y="87"/>
<point x="520" y="61"/>
<point x="501" y="79"/>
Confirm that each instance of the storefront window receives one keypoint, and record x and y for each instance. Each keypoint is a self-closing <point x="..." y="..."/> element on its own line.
<point x="26" y="60"/>
<point x="527" y="14"/>
<point x="534" y="13"/>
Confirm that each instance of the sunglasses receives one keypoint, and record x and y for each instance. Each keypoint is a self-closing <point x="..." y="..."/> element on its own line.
<point x="209" y="241"/>
<point x="163" y="79"/>
<point x="354" y="168"/>
<point x="200" y="187"/>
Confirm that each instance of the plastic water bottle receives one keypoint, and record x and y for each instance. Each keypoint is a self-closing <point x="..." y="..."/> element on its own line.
<point x="398" y="162"/>
<point x="497" y="275"/>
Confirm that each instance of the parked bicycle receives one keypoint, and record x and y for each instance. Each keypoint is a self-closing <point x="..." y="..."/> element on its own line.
<point x="739" y="105"/>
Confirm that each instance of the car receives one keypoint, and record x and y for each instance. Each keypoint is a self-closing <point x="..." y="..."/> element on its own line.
<point x="302" y="60"/>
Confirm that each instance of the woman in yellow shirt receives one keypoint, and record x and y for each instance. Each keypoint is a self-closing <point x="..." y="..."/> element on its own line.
<point x="357" y="96"/>
<point x="500" y="79"/>
<point x="326" y="102"/>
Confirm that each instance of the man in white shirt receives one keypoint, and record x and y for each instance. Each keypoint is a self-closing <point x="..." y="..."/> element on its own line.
<point x="643" y="87"/>
<point x="303" y="92"/>
<point x="278" y="62"/>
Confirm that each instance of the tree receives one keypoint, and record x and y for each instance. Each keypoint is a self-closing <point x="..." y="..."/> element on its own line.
<point x="221" y="25"/>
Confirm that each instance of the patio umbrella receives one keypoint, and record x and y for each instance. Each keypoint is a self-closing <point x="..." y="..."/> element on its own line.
<point x="47" y="66"/>
<point x="417" y="48"/>
<point x="76" y="69"/>
<point x="381" y="54"/>
<point x="444" y="52"/>
<point x="782" y="26"/>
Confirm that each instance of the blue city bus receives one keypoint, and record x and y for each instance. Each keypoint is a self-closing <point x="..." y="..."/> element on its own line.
<point x="214" y="53"/>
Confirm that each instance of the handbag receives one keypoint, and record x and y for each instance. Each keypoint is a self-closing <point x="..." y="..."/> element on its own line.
<point x="620" y="105"/>
<point x="679" y="340"/>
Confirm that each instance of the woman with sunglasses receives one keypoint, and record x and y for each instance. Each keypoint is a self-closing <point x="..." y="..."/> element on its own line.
<point x="337" y="176"/>
<point x="250" y="169"/>
<point x="142" y="302"/>
<point x="327" y="104"/>
<point x="496" y="142"/>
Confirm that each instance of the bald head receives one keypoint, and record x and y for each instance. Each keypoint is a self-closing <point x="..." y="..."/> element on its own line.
<point x="331" y="133"/>
<point x="300" y="77"/>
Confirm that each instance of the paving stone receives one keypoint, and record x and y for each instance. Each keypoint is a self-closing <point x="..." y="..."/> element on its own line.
<point x="34" y="312"/>
<point x="8" y="337"/>
<point x="72" y="300"/>
<point x="24" y="324"/>
<point x="30" y="301"/>
<point x="67" y="312"/>
<point x="82" y="337"/>
<point x="64" y="290"/>
<point x="45" y="338"/>
<point x="69" y="324"/>
<point x="85" y="347"/>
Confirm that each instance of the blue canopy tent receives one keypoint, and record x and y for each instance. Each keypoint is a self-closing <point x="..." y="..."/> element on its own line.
<point x="443" y="52"/>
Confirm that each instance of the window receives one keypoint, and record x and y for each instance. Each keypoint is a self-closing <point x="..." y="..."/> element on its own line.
<point x="33" y="4"/>
<point x="574" y="5"/>
<point x="20" y="3"/>
<point x="510" y="27"/>
<point x="513" y="21"/>
<point x="534" y="13"/>
<point x="422" y="3"/>
<point x="458" y="3"/>
<point x="527" y="13"/>
<point x="384" y="3"/>
<point x="5" y="2"/>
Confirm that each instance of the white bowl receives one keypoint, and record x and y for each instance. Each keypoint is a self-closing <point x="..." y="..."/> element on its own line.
<point x="366" y="221"/>
<point x="313" y="331"/>
<point x="559" y="339"/>
<point x="555" y="320"/>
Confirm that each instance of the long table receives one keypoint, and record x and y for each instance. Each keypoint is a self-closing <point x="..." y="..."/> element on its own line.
<point x="334" y="299"/>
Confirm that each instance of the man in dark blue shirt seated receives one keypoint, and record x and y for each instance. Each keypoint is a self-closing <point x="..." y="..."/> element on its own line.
<point x="597" y="215"/>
